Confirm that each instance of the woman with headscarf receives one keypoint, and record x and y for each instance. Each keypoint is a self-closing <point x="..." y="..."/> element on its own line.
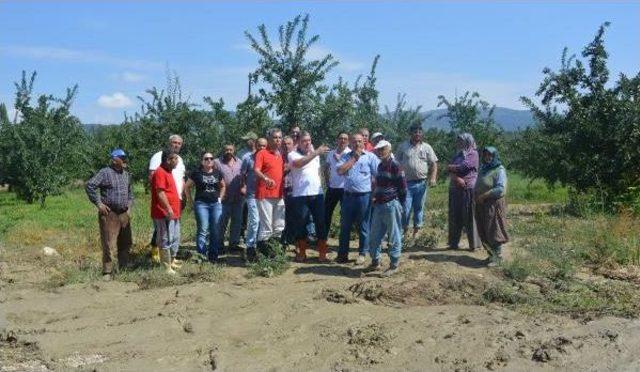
<point x="491" y="207"/>
<point x="463" y="172"/>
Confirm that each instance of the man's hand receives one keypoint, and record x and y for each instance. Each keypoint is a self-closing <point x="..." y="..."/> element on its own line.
<point x="103" y="209"/>
<point x="243" y="190"/>
<point x="323" y="149"/>
<point x="269" y="182"/>
<point x="170" y="214"/>
<point x="432" y="182"/>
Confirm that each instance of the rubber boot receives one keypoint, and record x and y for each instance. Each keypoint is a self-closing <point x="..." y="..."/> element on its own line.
<point x="155" y="254"/>
<point x="322" y="251"/>
<point x="165" y="258"/>
<point x="301" y="250"/>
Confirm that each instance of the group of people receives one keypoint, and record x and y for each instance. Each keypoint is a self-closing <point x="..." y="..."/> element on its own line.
<point x="283" y="189"/>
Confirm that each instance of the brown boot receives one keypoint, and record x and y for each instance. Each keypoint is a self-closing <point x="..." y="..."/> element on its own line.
<point x="322" y="251"/>
<point x="301" y="250"/>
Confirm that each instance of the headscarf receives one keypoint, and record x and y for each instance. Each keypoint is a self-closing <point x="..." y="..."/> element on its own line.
<point x="495" y="162"/>
<point x="468" y="143"/>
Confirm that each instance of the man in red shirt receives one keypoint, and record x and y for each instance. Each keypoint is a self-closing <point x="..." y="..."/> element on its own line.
<point x="269" y="170"/>
<point x="365" y="135"/>
<point x="165" y="210"/>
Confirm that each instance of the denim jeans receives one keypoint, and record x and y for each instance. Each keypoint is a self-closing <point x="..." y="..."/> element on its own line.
<point x="253" y="220"/>
<point x="303" y="207"/>
<point x="416" y="196"/>
<point x="167" y="234"/>
<point x="232" y="215"/>
<point x="386" y="219"/>
<point x="331" y="199"/>
<point x="208" y="217"/>
<point x="355" y="208"/>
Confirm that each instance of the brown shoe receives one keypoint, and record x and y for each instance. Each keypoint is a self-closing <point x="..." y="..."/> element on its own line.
<point x="301" y="250"/>
<point x="322" y="251"/>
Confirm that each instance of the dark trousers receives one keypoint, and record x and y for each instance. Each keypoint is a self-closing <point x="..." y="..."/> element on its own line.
<point x="331" y="199"/>
<point x="115" y="235"/>
<point x="303" y="208"/>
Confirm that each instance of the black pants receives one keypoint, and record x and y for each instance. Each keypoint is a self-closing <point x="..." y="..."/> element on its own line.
<point x="331" y="199"/>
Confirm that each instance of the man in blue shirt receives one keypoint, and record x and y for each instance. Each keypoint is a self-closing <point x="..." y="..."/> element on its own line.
<point x="359" y="167"/>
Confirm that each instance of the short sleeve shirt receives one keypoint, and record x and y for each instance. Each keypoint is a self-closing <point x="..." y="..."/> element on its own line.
<point x="359" y="177"/>
<point x="271" y="165"/>
<point x="305" y="181"/>
<point x="178" y="172"/>
<point x="336" y="181"/>
<point x="207" y="185"/>
<point x="232" y="178"/>
<point x="415" y="159"/>
<point x="163" y="180"/>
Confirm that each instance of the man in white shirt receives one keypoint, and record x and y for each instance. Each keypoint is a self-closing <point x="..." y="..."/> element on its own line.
<point x="307" y="195"/>
<point x="333" y="180"/>
<point x="178" y="173"/>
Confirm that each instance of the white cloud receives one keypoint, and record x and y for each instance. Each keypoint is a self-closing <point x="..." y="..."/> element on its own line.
<point x="76" y="56"/>
<point x="116" y="100"/>
<point x="130" y="77"/>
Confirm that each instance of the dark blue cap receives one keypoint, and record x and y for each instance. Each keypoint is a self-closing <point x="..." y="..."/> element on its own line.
<point x="118" y="153"/>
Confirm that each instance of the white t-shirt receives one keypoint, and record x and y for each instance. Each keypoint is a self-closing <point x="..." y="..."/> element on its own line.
<point x="336" y="181"/>
<point x="178" y="172"/>
<point x="305" y="181"/>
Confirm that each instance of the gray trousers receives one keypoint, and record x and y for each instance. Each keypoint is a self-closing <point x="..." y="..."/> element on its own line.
<point x="168" y="234"/>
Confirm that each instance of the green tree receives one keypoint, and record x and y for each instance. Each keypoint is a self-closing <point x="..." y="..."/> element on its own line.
<point x="471" y="114"/>
<point x="587" y="133"/>
<point x="396" y="123"/>
<point x="294" y="80"/>
<point x="367" y="109"/>
<point x="336" y="114"/>
<point x="44" y="150"/>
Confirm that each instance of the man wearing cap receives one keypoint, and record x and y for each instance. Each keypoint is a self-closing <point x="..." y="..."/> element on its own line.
<point x="250" y="139"/>
<point x="420" y="165"/>
<point x="375" y="138"/>
<point x="386" y="214"/>
<point x="110" y="191"/>
<point x="359" y="168"/>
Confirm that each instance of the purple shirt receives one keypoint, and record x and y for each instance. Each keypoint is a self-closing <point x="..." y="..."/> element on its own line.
<point x="466" y="163"/>
<point x="232" y="175"/>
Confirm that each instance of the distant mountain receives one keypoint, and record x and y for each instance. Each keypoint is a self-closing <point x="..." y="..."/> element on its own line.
<point x="509" y="119"/>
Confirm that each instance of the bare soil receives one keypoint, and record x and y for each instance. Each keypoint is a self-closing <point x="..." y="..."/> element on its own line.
<point x="429" y="317"/>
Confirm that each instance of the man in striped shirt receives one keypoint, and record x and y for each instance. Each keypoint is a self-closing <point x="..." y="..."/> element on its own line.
<point x="386" y="217"/>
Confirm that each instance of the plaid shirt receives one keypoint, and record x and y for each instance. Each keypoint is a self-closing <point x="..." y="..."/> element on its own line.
<point x="390" y="182"/>
<point x="115" y="189"/>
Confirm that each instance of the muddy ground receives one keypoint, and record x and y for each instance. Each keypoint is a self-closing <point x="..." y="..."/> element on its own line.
<point x="328" y="317"/>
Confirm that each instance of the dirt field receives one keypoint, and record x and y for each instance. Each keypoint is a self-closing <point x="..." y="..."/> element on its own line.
<point x="314" y="317"/>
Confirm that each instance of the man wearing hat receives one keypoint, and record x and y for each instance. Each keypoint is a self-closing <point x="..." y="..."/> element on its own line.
<point x="250" y="139"/>
<point x="375" y="138"/>
<point x="386" y="217"/>
<point x="110" y="191"/>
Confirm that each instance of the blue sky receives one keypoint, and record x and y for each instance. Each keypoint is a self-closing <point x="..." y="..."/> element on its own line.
<point x="116" y="50"/>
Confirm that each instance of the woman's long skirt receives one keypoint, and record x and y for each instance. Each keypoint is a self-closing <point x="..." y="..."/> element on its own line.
<point x="461" y="215"/>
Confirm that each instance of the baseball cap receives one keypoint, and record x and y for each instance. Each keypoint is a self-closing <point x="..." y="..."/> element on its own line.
<point x="118" y="153"/>
<point x="250" y="135"/>
<point x="382" y="144"/>
<point x="376" y="134"/>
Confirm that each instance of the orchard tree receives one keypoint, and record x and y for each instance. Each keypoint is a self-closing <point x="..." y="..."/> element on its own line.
<point x="396" y="123"/>
<point x="367" y="109"/>
<point x="294" y="79"/>
<point x="588" y="133"/>
<point x="471" y="114"/>
<point x="46" y="149"/>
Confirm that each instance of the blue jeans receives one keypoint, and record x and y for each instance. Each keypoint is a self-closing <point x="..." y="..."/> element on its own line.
<point x="167" y="234"/>
<point x="416" y="196"/>
<point x="208" y="221"/>
<point x="355" y="208"/>
<point x="386" y="220"/>
<point x="253" y="220"/>
<point x="305" y="207"/>
<point x="232" y="215"/>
